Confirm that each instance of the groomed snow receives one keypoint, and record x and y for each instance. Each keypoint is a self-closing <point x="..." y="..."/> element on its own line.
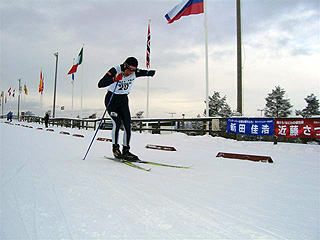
<point x="49" y="192"/>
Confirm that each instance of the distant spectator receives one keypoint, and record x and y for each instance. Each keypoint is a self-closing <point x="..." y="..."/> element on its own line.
<point x="9" y="116"/>
<point x="46" y="119"/>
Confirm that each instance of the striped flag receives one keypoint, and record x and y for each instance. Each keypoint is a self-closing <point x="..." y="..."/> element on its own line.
<point x="185" y="8"/>
<point x="148" y="47"/>
<point x="78" y="62"/>
<point x="41" y="84"/>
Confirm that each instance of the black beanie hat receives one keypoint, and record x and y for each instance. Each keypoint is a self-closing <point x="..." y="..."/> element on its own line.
<point x="131" y="63"/>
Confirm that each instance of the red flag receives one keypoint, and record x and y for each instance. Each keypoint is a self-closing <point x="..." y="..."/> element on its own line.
<point x="41" y="84"/>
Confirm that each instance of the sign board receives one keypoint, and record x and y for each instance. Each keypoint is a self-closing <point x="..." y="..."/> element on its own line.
<point x="297" y="127"/>
<point x="251" y="126"/>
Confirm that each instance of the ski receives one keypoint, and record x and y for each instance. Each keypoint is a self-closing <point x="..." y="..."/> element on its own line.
<point x="162" y="164"/>
<point x="128" y="163"/>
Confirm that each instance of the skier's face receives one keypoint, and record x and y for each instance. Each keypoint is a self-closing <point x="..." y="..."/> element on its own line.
<point x="127" y="72"/>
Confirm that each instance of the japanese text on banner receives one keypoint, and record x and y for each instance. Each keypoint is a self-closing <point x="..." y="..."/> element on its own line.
<point x="300" y="128"/>
<point x="253" y="126"/>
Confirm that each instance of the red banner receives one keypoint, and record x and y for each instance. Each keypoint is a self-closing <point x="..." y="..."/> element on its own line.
<point x="297" y="127"/>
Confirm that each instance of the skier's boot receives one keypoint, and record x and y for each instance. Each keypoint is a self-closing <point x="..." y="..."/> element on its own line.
<point x="116" y="151"/>
<point x="127" y="155"/>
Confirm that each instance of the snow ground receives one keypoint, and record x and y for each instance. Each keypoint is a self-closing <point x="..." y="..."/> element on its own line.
<point x="48" y="192"/>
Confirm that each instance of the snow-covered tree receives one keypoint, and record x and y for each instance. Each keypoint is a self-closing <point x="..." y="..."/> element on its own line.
<point x="277" y="105"/>
<point x="218" y="106"/>
<point x="312" y="108"/>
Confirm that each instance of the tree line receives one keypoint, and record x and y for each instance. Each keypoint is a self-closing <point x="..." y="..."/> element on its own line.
<point x="277" y="105"/>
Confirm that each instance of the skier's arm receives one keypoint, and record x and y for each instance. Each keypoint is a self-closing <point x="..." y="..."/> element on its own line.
<point x="145" y="73"/>
<point x="108" y="78"/>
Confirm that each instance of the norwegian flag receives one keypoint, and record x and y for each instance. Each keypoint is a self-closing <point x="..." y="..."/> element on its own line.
<point x="148" y="47"/>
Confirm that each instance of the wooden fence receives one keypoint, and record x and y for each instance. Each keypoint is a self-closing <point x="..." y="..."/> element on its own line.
<point x="154" y="125"/>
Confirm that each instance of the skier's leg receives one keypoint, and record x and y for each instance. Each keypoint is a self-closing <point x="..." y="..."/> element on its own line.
<point x="126" y="119"/>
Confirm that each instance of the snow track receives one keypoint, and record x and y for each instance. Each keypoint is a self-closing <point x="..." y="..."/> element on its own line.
<point x="48" y="192"/>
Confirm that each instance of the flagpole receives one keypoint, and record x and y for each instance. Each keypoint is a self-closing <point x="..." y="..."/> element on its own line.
<point x="55" y="85"/>
<point x="2" y="99"/>
<point x="206" y="57"/>
<point x="19" y="80"/>
<point x="72" y="82"/>
<point x="148" y="67"/>
<point x="82" y="83"/>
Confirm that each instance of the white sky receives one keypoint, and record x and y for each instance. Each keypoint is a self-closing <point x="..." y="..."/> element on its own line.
<point x="280" y="47"/>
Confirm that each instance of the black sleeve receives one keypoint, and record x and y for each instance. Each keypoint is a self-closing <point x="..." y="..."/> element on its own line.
<point x="145" y="73"/>
<point x="107" y="78"/>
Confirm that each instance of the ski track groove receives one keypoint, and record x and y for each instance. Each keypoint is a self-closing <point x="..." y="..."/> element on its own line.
<point x="15" y="174"/>
<point x="111" y="185"/>
<point x="20" y="214"/>
<point x="225" y="215"/>
<point x="60" y="207"/>
<point x="113" y="189"/>
<point x="34" y="201"/>
<point x="202" y="219"/>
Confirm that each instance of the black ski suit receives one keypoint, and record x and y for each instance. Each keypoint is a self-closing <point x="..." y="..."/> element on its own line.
<point x="118" y="105"/>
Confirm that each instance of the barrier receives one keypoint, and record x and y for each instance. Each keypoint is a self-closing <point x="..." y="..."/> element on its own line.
<point x="255" y="158"/>
<point x="65" y="133"/>
<point x="104" y="139"/>
<point x="158" y="147"/>
<point x="78" y="135"/>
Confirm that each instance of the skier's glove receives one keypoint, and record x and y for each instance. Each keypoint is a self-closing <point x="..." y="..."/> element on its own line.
<point x="151" y="73"/>
<point x="117" y="78"/>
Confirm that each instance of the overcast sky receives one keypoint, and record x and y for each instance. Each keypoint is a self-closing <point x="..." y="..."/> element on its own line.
<point x="280" y="42"/>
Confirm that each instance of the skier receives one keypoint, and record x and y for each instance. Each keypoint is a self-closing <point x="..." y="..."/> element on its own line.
<point x="120" y="80"/>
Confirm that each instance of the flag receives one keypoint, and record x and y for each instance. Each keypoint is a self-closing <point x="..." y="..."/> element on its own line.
<point x="78" y="62"/>
<point x="25" y="89"/>
<point x="9" y="91"/>
<point x="41" y="84"/>
<point x="185" y="8"/>
<point x="13" y="93"/>
<point x="148" y="47"/>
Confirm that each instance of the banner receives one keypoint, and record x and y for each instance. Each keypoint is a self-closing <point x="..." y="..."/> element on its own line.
<point x="297" y="127"/>
<point x="251" y="126"/>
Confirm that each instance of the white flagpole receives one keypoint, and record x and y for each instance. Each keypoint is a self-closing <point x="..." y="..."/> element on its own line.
<point x="72" y="82"/>
<point x="82" y="82"/>
<point x="148" y="97"/>
<point x="207" y="60"/>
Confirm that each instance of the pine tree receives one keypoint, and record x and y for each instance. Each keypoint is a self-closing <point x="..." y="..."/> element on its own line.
<point x="276" y="105"/>
<point x="218" y="106"/>
<point x="312" y="108"/>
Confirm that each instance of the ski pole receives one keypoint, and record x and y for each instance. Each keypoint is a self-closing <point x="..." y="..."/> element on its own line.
<point x="94" y="136"/>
